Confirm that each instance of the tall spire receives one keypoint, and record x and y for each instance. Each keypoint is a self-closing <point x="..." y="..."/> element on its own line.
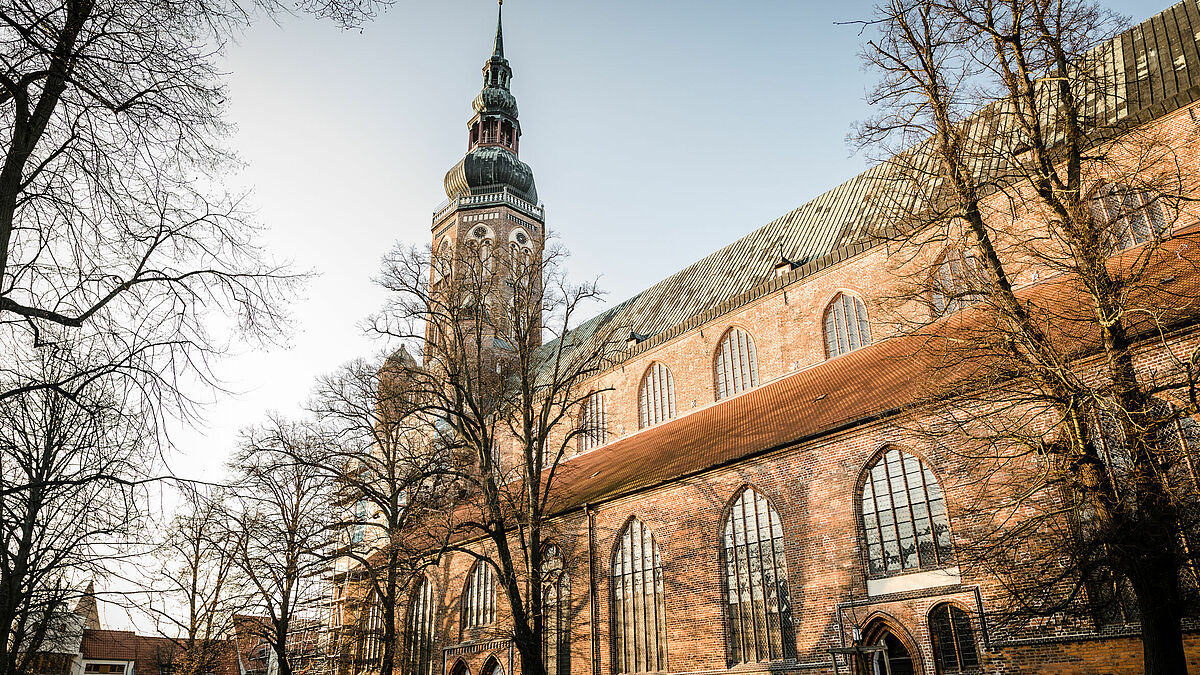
<point x="498" y="49"/>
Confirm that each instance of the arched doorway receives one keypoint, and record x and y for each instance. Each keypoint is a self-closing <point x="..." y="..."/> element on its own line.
<point x="460" y="668"/>
<point x="902" y="654"/>
<point x="491" y="667"/>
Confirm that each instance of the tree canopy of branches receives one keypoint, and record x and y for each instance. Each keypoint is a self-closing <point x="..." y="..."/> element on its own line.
<point x="1012" y="162"/>
<point x="73" y="461"/>
<point x="500" y="388"/>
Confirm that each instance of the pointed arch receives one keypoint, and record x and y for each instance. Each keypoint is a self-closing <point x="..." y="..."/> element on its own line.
<point x="638" y="610"/>
<point x="418" y="633"/>
<point x="479" y="596"/>
<point x="491" y="666"/>
<point x="903" y="651"/>
<point x="758" y="612"/>
<point x="955" y="282"/>
<point x="656" y="396"/>
<point x="903" y="515"/>
<point x="735" y="364"/>
<point x="846" y="325"/>
<point x="953" y="639"/>
<point x="593" y="421"/>
<point x="460" y="668"/>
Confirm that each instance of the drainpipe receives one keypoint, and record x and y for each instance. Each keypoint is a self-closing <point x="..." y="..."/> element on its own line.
<point x="595" y="610"/>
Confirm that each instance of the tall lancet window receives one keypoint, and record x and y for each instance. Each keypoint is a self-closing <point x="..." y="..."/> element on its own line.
<point x="481" y="242"/>
<point x="556" y="603"/>
<point x="638" y="603"/>
<point x="759" y="614"/>
<point x="593" y="422"/>
<point x="904" y="516"/>
<point x="846" y="326"/>
<point x="418" y="633"/>
<point x="735" y="364"/>
<point x="479" y="597"/>
<point x="656" y="396"/>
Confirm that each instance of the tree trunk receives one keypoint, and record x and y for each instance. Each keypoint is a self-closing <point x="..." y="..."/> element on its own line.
<point x="1157" y="588"/>
<point x="529" y="646"/>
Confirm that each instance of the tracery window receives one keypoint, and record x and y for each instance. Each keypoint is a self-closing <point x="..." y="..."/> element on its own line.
<point x="904" y="516"/>
<point x="556" y="601"/>
<point x="1128" y="216"/>
<point x="638" y="602"/>
<point x="846" y="326"/>
<point x="521" y="247"/>
<point x="954" y="283"/>
<point x="443" y="261"/>
<point x="656" y="396"/>
<point x="953" y="639"/>
<point x="481" y="241"/>
<point x="593" y="422"/>
<point x="759" y="615"/>
<point x="736" y="364"/>
<point x="418" y="633"/>
<point x="479" y="597"/>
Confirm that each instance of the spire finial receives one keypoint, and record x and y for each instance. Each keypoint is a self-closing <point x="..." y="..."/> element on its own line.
<point x="498" y="51"/>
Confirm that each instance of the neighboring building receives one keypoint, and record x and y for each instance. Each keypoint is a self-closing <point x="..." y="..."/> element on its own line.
<point x="748" y="501"/>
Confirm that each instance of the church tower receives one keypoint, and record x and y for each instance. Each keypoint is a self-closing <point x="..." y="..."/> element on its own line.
<point x="492" y="211"/>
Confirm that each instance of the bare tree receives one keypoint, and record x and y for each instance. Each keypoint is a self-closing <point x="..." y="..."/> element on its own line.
<point x="282" y="518"/>
<point x="1012" y="160"/>
<point x="389" y="480"/>
<point x="503" y="402"/>
<point x="194" y="597"/>
<point x="73" y="466"/>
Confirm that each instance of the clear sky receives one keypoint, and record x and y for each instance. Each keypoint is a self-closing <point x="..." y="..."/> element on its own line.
<point x="658" y="131"/>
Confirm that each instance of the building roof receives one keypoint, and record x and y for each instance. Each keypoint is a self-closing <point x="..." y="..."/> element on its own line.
<point x="854" y="388"/>
<point x="1153" y="68"/>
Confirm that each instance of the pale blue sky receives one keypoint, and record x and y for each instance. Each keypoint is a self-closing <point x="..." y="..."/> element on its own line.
<point x="658" y="131"/>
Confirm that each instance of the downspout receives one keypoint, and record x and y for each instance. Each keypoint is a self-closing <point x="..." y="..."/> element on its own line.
<point x="595" y="610"/>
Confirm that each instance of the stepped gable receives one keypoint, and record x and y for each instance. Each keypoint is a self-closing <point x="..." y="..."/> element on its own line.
<point x="1153" y="68"/>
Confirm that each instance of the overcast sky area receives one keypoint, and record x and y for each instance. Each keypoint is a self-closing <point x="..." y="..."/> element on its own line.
<point x="658" y="131"/>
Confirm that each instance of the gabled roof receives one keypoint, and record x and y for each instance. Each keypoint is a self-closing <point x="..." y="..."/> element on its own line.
<point x="1154" y="68"/>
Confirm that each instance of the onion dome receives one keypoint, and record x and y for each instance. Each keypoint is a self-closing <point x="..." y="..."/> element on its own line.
<point x="488" y="169"/>
<point x="491" y="164"/>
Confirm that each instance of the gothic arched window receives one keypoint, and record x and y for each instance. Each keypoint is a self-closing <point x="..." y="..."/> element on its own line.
<point x="953" y="639"/>
<point x="443" y="261"/>
<point x="481" y="241"/>
<point x="370" y="625"/>
<point x="904" y="516"/>
<point x="479" y="597"/>
<point x="656" y="396"/>
<point x="954" y="283"/>
<point x="735" y="365"/>
<point x="1128" y="216"/>
<point x="638" y="602"/>
<point x="418" y="633"/>
<point x="759" y="616"/>
<point x="846" y="326"/>
<point x="593" y="422"/>
<point x="556" y="601"/>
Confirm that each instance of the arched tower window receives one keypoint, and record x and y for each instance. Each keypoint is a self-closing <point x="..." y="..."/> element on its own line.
<point x="556" y="603"/>
<point x="482" y="241"/>
<point x="443" y="261"/>
<point x="846" y="326"/>
<point x="479" y="597"/>
<point x="593" y="422"/>
<point x="904" y="516"/>
<point x="953" y="639"/>
<point x="418" y="633"/>
<point x="736" y="364"/>
<point x="759" y="616"/>
<point x="1128" y="216"/>
<point x="954" y="283"/>
<point x="521" y="247"/>
<point x="638" y="602"/>
<point x="656" y="396"/>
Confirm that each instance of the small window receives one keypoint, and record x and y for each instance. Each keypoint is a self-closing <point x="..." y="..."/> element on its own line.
<point x="656" y="396"/>
<point x="1128" y="216"/>
<point x="479" y="597"/>
<point x="846" y="326"/>
<point x="953" y="639"/>
<point x="593" y="422"/>
<point x="639" y="605"/>
<point x="955" y="283"/>
<point x="735" y="365"/>
<point x="418" y="634"/>
<point x="904" y="516"/>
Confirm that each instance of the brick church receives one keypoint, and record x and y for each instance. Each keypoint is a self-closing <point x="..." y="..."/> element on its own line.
<point x="748" y="498"/>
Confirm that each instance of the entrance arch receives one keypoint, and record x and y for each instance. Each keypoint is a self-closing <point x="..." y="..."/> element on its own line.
<point x="460" y="668"/>
<point x="491" y="667"/>
<point x="902" y="651"/>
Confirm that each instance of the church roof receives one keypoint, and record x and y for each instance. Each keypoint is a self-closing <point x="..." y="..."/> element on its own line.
<point x="1153" y="67"/>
